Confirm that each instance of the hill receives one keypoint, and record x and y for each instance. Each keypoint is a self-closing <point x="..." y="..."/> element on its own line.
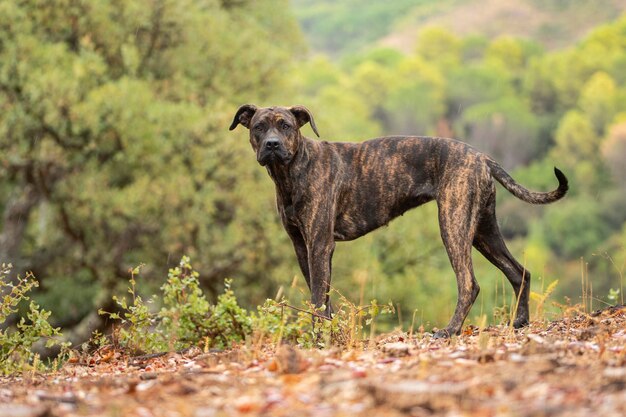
<point x="341" y="27"/>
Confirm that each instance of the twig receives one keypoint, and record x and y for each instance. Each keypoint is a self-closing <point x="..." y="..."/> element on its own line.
<point x="71" y="399"/>
<point x="305" y="311"/>
<point x="142" y="358"/>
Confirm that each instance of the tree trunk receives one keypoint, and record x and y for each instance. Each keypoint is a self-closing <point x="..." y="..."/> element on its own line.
<point x="14" y="223"/>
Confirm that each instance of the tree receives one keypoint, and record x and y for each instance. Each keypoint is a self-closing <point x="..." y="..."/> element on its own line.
<point x="416" y="100"/>
<point x="500" y="126"/>
<point x="511" y="54"/>
<point x="575" y="228"/>
<point x="473" y="84"/>
<point x="598" y="100"/>
<point x="438" y="45"/>
<point x="540" y="85"/>
<point x="113" y="141"/>
<point x="578" y="147"/>
<point x="614" y="153"/>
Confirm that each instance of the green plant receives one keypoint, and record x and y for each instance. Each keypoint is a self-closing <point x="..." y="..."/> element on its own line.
<point x="136" y="332"/>
<point x="186" y="318"/>
<point x="16" y="343"/>
<point x="502" y="314"/>
<point x="279" y="321"/>
<point x="184" y="305"/>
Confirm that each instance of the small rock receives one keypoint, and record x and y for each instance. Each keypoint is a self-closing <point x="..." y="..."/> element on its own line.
<point x="18" y="410"/>
<point x="615" y="373"/>
<point x="289" y="360"/>
<point x="349" y="356"/>
<point x="205" y="412"/>
<point x="536" y="338"/>
<point x="396" y="349"/>
<point x="405" y="395"/>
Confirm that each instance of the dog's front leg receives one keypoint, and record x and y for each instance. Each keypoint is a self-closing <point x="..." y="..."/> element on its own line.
<point x="320" y="250"/>
<point x="302" y="253"/>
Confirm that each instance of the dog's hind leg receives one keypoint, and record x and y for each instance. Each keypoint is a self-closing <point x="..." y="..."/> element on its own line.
<point x="489" y="242"/>
<point x="458" y="212"/>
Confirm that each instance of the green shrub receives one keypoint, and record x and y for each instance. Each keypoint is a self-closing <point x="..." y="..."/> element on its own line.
<point x="16" y="343"/>
<point x="186" y="318"/>
<point x="137" y="330"/>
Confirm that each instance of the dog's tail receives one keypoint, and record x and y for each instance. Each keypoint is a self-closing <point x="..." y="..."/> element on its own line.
<point x="522" y="193"/>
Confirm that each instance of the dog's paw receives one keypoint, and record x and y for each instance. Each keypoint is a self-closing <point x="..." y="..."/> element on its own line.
<point x="520" y="322"/>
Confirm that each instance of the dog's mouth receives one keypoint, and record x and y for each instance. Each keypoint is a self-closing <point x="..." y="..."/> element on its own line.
<point x="273" y="157"/>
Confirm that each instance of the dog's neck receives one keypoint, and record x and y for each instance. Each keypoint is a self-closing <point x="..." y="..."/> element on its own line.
<point x="285" y="176"/>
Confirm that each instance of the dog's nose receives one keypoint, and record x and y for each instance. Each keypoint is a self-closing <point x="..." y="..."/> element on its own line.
<point x="272" y="144"/>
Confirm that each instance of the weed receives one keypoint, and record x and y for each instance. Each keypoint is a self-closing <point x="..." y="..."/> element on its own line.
<point x="614" y="295"/>
<point x="620" y="272"/>
<point x="541" y="298"/>
<point x="502" y="314"/>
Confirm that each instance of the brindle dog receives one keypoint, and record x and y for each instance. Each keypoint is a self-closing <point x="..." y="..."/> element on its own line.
<point x="333" y="191"/>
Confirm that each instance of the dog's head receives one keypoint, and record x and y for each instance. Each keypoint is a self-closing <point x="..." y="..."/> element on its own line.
<point x="274" y="131"/>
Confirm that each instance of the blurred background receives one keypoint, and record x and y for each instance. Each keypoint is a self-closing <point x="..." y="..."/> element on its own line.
<point x="115" y="149"/>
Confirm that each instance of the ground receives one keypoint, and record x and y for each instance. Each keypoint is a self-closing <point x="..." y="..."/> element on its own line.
<point x="574" y="366"/>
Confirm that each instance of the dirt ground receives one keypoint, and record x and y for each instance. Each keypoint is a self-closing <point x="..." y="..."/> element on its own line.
<point x="574" y="366"/>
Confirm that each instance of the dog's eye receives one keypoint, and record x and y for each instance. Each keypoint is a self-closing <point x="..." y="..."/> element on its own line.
<point x="285" y="126"/>
<point x="259" y="128"/>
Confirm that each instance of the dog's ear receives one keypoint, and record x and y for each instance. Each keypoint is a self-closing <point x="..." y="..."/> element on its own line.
<point x="304" y="116"/>
<point x="243" y="116"/>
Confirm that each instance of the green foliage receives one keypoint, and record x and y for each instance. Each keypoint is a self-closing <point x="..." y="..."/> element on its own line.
<point x="16" y="343"/>
<point x="279" y="322"/>
<point x="137" y="322"/>
<point x="438" y="45"/>
<point x="185" y="307"/>
<point x="575" y="228"/>
<point x="578" y="147"/>
<point x="475" y="84"/>
<point x="511" y="54"/>
<point x="499" y="126"/>
<point x="117" y="124"/>
<point x="187" y="319"/>
<point x="598" y="99"/>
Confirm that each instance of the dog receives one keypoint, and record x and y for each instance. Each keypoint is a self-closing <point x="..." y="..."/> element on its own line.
<point x="334" y="191"/>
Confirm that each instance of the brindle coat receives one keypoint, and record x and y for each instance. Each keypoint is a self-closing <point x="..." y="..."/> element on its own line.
<point x="333" y="191"/>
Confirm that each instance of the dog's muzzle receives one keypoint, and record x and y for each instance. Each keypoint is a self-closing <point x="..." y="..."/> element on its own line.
<point x="272" y="151"/>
